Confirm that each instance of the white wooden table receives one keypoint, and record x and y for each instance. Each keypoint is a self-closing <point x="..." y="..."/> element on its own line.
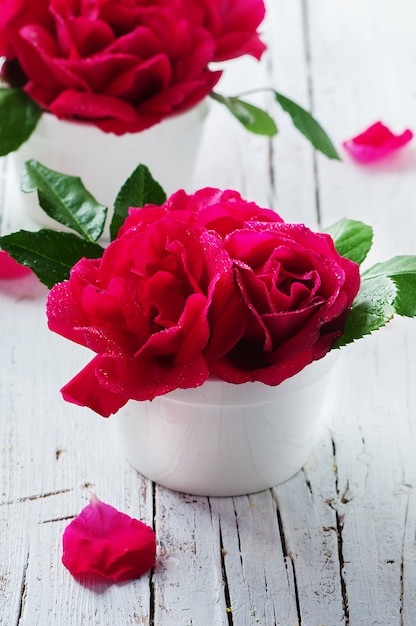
<point x="335" y="544"/>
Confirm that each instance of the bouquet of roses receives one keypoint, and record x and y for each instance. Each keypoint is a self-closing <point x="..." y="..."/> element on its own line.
<point x="200" y="285"/>
<point x="127" y="65"/>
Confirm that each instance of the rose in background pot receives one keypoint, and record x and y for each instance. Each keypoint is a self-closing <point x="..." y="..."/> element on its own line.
<point x="124" y="66"/>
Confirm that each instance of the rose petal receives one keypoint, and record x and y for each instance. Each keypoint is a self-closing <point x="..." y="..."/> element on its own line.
<point x="376" y="143"/>
<point x="9" y="268"/>
<point x="85" y="389"/>
<point x="92" y="106"/>
<point x="102" y="542"/>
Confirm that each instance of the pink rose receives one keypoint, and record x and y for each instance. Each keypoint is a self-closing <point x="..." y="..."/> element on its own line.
<point x="146" y="309"/>
<point x="298" y="290"/>
<point x="124" y="65"/>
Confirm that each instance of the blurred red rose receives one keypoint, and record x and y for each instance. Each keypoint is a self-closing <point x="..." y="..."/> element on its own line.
<point x="298" y="290"/>
<point x="146" y="309"/>
<point x="8" y="10"/>
<point x="124" y="65"/>
<point x="233" y="24"/>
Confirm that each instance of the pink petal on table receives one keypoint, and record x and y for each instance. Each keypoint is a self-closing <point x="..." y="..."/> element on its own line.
<point x="9" y="268"/>
<point x="375" y="143"/>
<point x="103" y="543"/>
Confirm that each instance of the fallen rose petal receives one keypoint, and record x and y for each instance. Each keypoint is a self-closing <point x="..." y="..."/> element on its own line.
<point x="9" y="268"/>
<point x="102" y="542"/>
<point x="376" y="143"/>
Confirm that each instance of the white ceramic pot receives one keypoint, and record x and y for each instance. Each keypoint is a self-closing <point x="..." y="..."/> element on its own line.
<point x="223" y="439"/>
<point x="104" y="161"/>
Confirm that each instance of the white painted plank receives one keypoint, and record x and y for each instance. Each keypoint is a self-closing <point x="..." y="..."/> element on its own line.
<point x="53" y="455"/>
<point x="292" y="159"/>
<point x="46" y="593"/>
<point x="311" y="535"/>
<point x="188" y="584"/>
<point x="362" y="64"/>
<point x="13" y="561"/>
<point x="376" y="473"/>
<point x="359" y="78"/>
<point x="54" y="597"/>
<point x="230" y="157"/>
<point x="408" y="595"/>
<point x="259" y="576"/>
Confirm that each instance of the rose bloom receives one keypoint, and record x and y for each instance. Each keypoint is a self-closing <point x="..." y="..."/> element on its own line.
<point x="123" y="65"/>
<point x="296" y="288"/>
<point x="206" y="284"/>
<point x="146" y="308"/>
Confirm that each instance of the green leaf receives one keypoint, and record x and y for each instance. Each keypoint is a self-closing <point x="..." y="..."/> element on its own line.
<point x="352" y="239"/>
<point x="372" y="308"/>
<point x="387" y="288"/>
<point x="139" y="189"/>
<point x="65" y="199"/>
<point x="402" y="271"/>
<point x="405" y="302"/>
<point x="19" y="116"/>
<point x="405" y="264"/>
<point x="308" y="126"/>
<point x="49" y="254"/>
<point x="251" y="117"/>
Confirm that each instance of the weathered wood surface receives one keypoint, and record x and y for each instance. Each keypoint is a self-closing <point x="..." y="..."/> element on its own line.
<point x="334" y="545"/>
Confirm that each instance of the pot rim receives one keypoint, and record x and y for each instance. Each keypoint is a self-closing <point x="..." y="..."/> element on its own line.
<point x="52" y="128"/>
<point x="217" y="392"/>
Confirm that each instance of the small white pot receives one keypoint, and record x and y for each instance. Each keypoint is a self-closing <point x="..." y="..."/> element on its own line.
<point x="104" y="161"/>
<point x="222" y="439"/>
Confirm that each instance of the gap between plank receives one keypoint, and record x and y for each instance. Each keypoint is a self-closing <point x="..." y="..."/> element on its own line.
<point x="287" y="557"/>
<point x="23" y="591"/>
<point x="308" y="64"/>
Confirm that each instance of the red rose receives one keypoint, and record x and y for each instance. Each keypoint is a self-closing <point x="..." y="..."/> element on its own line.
<point x="8" y="10"/>
<point x="146" y="309"/>
<point x="209" y="208"/>
<point x="204" y="284"/>
<point x="298" y="290"/>
<point x="234" y="24"/>
<point x="18" y="12"/>
<point x="124" y="65"/>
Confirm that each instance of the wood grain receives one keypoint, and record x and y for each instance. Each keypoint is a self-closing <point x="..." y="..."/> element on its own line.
<point x="334" y="545"/>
